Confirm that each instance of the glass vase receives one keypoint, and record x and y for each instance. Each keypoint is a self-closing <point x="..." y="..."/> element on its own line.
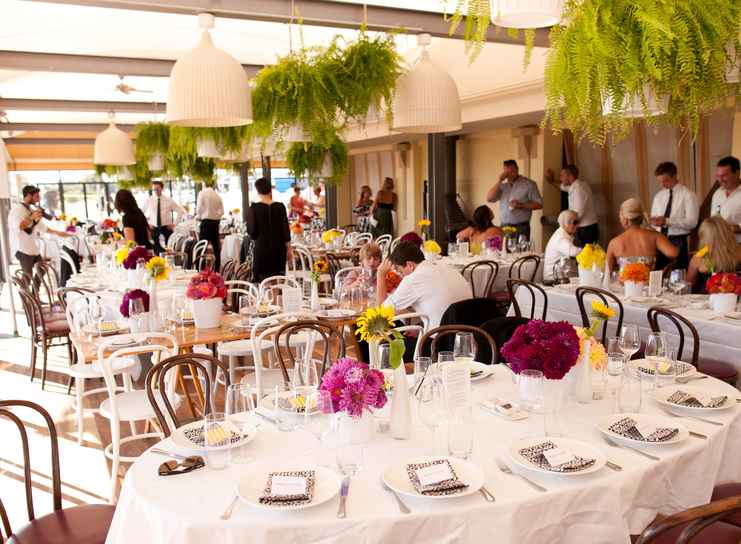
<point x="553" y="403"/>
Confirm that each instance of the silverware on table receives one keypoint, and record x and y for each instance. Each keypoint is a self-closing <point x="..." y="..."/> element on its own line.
<point x="487" y="494"/>
<point x="403" y="508"/>
<point x="342" y="510"/>
<point x="229" y="509"/>
<point x="613" y="466"/>
<point x="698" y="435"/>
<point x="159" y="451"/>
<point x="504" y="468"/>
<point x="266" y="417"/>
<point x="687" y="379"/>
<point x="631" y="448"/>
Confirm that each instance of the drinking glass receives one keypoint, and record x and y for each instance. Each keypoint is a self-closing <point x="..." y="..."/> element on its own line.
<point x="630" y="391"/>
<point x="445" y="357"/>
<point x="511" y="244"/>
<point x="246" y="307"/>
<point x="350" y="454"/>
<point x="286" y="410"/>
<point x="305" y="380"/>
<point x="678" y="282"/>
<point x="531" y="387"/>
<point x="217" y="456"/>
<point x="431" y="406"/>
<point x="522" y="243"/>
<point x="95" y="314"/>
<point x="630" y="341"/>
<point x="136" y="314"/>
<point x="460" y="434"/>
<point x="656" y="347"/>
<point x="421" y="368"/>
<point x="464" y="348"/>
<point x="240" y="408"/>
<point x="615" y="356"/>
<point x="318" y="419"/>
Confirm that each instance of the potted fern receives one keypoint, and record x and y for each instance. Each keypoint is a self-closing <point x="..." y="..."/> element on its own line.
<point x="152" y="143"/>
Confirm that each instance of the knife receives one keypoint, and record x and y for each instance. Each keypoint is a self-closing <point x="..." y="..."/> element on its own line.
<point x="266" y="418"/>
<point x="341" y="512"/>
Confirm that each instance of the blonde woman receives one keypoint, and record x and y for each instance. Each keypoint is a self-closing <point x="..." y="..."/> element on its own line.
<point x="724" y="252"/>
<point x="637" y="244"/>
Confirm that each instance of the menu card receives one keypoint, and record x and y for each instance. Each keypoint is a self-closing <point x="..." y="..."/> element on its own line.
<point x="655" y="283"/>
<point x="457" y="385"/>
<point x="292" y="299"/>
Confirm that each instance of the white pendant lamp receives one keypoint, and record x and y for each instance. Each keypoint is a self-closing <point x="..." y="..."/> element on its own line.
<point x="426" y="99"/>
<point x="526" y="13"/>
<point x="113" y="146"/>
<point x="633" y="106"/>
<point x="208" y="87"/>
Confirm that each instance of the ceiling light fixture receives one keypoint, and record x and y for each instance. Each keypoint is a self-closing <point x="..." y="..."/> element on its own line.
<point x="526" y="13"/>
<point x="113" y="147"/>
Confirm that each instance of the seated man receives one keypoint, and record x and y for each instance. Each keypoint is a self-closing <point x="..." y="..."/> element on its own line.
<point x="427" y="287"/>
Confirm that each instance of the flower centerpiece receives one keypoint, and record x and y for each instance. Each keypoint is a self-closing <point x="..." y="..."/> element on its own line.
<point x="494" y="243"/>
<point x="634" y="276"/>
<point x="206" y="290"/>
<point x="601" y="313"/>
<point x="724" y="288"/>
<point x="412" y="237"/>
<point x="108" y="224"/>
<point x="135" y="255"/>
<point x="424" y="227"/>
<point x="321" y="266"/>
<point x="123" y="252"/>
<point x="591" y="260"/>
<point x="330" y="237"/>
<point x="431" y="249"/>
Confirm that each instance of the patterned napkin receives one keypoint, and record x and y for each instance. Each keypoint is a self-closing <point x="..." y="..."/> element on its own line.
<point x="680" y="398"/>
<point x="450" y="486"/>
<point x="221" y="436"/>
<point x="305" y="496"/>
<point x="534" y="454"/>
<point x="626" y="427"/>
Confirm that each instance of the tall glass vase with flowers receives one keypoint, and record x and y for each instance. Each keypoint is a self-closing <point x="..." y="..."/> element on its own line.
<point x="591" y="260"/>
<point x="321" y="266"/>
<point x="157" y="271"/>
<point x="583" y="385"/>
<point x="133" y="262"/>
<point x="424" y="228"/>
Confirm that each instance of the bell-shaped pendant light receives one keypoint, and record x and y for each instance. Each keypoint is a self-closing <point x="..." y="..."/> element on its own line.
<point x="426" y="99"/>
<point x="208" y="87"/>
<point x="113" y="147"/>
<point x="526" y="13"/>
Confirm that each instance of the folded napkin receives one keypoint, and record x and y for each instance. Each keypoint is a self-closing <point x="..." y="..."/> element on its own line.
<point x="627" y="427"/>
<point x="218" y="434"/>
<point x="289" y="488"/>
<point x="534" y="454"/>
<point x="680" y="398"/>
<point x="448" y="486"/>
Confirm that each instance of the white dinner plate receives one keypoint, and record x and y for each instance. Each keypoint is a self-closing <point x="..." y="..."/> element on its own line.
<point x="487" y="371"/>
<point x="268" y="402"/>
<point x="660" y="395"/>
<point x="252" y="483"/>
<point x="583" y="449"/>
<point x="660" y="421"/>
<point x="641" y="365"/>
<point x="122" y="341"/>
<point x="181" y="441"/>
<point x="648" y="300"/>
<point x="396" y="477"/>
<point x="337" y="313"/>
<point x="327" y="301"/>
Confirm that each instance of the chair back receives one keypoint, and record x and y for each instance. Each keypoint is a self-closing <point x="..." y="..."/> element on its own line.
<point x="384" y="241"/>
<point x="23" y="280"/>
<point x="274" y="284"/>
<point x="435" y="335"/>
<point x="481" y="275"/>
<point x="302" y="260"/>
<point x="605" y="297"/>
<point x="363" y="238"/>
<point x="227" y="269"/>
<point x="412" y="318"/>
<point x="243" y="272"/>
<point x="501" y="330"/>
<point x="7" y="411"/>
<point x="334" y="264"/>
<point x="32" y="309"/>
<point x="65" y="294"/>
<point x="199" y="254"/>
<point x="525" y="268"/>
<point x="533" y="289"/>
<point x="349" y="240"/>
<point x="472" y="311"/>
<point x="159" y="379"/>
<point x="393" y="244"/>
<point x="238" y="288"/>
<point x="316" y="333"/>
<point x="67" y="258"/>
<point x="679" y="322"/>
<point x="45" y="277"/>
<point x="341" y="275"/>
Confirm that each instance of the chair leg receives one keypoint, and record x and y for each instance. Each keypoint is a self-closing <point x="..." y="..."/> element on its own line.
<point x="115" y="462"/>
<point x="33" y="358"/>
<point x="43" y="368"/>
<point x="80" y="412"/>
<point x="70" y="381"/>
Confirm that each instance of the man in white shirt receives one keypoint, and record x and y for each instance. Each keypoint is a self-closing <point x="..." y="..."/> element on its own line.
<point x="210" y="210"/>
<point x="674" y="213"/>
<point x="162" y="213"/>
<point x="581" y="202"/>
<point x="25" y="224"/>
<point x="726" y="200"/>
<point x="561" y="245"/>
<point x="427" y="287"/>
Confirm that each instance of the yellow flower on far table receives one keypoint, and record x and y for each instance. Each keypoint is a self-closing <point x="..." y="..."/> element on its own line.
<point x="157" y="268"/>
<point x="704" y="250"/>
<point x="431" y="246"/>
<point x="602" y="311"/>
<point x="509" y="230"/>
<point x="329" y="235"/>
<point x="424" y="223"/>
<point x="375" y="323"/>
<point x="116" y="236"/>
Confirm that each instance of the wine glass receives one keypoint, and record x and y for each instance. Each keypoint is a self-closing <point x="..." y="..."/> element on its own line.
<point x="95" y="313"/>
<point x="464" y="348"/>
<point x="240" y="407"/>
<point x="630" y="341"/>
<point x="511" y="244"/>
<point x="136" y="314"/>
<point x="318" y="418"/>
<point x="656" y="349"/>
<point x="522" y="243"/>
<point x="431" y="405"/>
<point x="630" y="391"/>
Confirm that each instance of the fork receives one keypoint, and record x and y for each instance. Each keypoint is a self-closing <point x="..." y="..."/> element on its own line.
<point x="687" y="379"/>
<point x="229" y="509"/>
<point x="403" y="508"/>
<point x="504" y="468"/>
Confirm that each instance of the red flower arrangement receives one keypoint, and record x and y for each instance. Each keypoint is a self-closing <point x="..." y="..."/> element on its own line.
<point x="551" y="347"/>
<point x="392" y="281"/>
<point x="139" y="253"/>
<point x="108" y="224"/>
<point x="724" y="282"/>
<point x="206" y="284"/>
<point x="132" y="295"/>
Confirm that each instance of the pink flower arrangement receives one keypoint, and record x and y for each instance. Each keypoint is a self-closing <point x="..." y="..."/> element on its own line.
<point x="494" y="243"/>
<point x="412" y="237"/>
<point x="551" y="347"/>
<point x="139" y="253"/>
<point x="131" y="295"/>
<point x="354" y="387"/>
<point x="71" y="229"/>
<point x="206" y="284"/>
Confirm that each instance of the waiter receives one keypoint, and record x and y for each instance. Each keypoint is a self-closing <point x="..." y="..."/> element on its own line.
<point x="26" y="223"/>
<point x="162" y="213"/>
<point x="726" y="200"/>
<point x="210" y="210"/>
<point x="518" y="196"/>
<point x="581" y="201"/>
<point x="674" y="213"/>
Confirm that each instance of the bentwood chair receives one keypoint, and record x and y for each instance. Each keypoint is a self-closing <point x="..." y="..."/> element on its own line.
<point x="605" y="297"/>
<point x="482" y="274"/>
<point x="716" y="369"/>
<point x="384" y="242"/>
<point x="227" y="269"/>
<point x="85" y="524"/>
<point x="501" y="330"/>
<point x="199" y="254"/>
<point x="310" y="335"/>
<point x="64" y="294"/>
<point x="486" y="353"/>
<point x="534" y="290"/>
<point x="523" y="268"/>
<point x="47" y="280"/>
<point x="238" y="288"/>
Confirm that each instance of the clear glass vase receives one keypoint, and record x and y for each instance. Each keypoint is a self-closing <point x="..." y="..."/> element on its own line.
<point x="553" y="404"/>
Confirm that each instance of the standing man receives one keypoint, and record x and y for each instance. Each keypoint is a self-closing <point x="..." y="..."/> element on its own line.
<point x="726" y="200"/>
<point x="518" y="196"/>
<point x="26" y="224"/>
<point x="674" y="213"/>
<point x="210" y="210"/>
<point x="581" y="201"/>
<point x="162" y="213"/>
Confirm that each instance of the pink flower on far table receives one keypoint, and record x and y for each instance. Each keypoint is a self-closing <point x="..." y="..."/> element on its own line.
<point x="206" y="284"/>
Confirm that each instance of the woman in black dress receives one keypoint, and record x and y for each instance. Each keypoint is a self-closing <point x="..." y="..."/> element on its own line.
<point x="135" y="226"/>
<point x="267" y="225"/>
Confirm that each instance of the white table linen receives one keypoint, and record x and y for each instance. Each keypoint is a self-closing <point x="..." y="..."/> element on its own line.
<point x="603" y="507"/>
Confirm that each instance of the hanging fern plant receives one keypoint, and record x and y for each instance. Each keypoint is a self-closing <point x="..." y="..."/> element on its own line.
<point x="308" y="160"/>
<point x="151" y="139"/>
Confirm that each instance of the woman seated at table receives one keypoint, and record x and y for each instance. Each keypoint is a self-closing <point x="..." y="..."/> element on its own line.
<point x="481" y="228"/>
<point x="296" y="203"/>
<point x="370" y="259"/>
<point x="267" y="225"/>
<point x="723" y="252"/>
<point x="135" y="226"/>
<point x="561" y="245"/>
<point x="637" y="244"/>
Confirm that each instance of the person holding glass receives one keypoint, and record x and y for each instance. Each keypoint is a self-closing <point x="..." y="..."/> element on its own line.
<point x="518" y="197"/>
<point x="723" y="252"/>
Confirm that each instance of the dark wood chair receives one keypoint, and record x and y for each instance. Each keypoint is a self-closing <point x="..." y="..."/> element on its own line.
<point x="227" y="269"/>
<point x="87" y="524"/>
<point x="434" y="336"/>
<point x="47" y="280"/>
<point x="325" y="335"/>
<point x="519" y="270"/>
<point x="605" y="297"/>
<point x="243" y="272"/>
<point x="532" y="288"/>
<point x="716" y="369"/>
<point x="197" y="364"/>
<point x="490" y="270"/>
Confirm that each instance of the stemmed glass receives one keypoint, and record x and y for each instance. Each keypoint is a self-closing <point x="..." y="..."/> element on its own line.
<point x="522" y="243"/>
<point x="136" y="313"/>
<point x="511" y="244"/>
<point x="95" y="313"/>
<point x="464" y="348"/>
<point x="431" y="405"/>
<point x="630" y="341"/>
<point x="240" y="407"/>
<point x="318" y="418"/>
<point x="678" y="282"/>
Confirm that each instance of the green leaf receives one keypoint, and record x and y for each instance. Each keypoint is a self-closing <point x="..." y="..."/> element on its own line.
<point x="396" y="352"/>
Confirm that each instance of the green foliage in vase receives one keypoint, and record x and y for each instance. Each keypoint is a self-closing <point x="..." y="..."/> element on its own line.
<point x="307" y="160"/>
<point x="151" y="139"/>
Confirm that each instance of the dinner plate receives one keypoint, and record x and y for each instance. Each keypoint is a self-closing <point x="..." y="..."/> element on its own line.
<point x="660" y="395"/>
<point x="648" y="300"/>
<point x="122" y="341"/>
<point x="337" y="313"/>
<point x="181" y="441"/>
<point x="396" y="477"/>
<point x="268" y="402"/>
<point x="642" y="366"/>
<point x="486" y="369"/>
<point x="577" y="447"/>
<point x="252" y="484"/>
<point x="660" y="421"/>
<point x="328" y="301"/>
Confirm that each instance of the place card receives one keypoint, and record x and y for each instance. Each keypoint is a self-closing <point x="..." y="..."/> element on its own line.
<point x="292" y="299"/>
<point x="288" y="485"/>
<point x="645" y="428"/>
<point x="457" y="384"/>
<point x="655" y="283"/>
<point x="558" y="456"/>
<point x="703" y="398"/>
<point x="434" y="474"/>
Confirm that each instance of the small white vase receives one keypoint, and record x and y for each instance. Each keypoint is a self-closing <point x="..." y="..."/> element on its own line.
<point x="207" y="313"/>
<point x="723" y="303"/>
<point x="401" y="410"/>
<point x="314" y="301"/>
<point x="589" y="278"/>
<point x="133" y="279"/>
<point x="583" y="391"/>
<point x="633" y="289"/>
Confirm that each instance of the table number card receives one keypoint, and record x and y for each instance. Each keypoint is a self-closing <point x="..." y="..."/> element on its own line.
<point x="434" y="474"/>
<point x="655" y="283"/>
<point x="288" y="485"/>
<point x="292" y="299"/>
<point x="457" y="384"/>
<point x="645" y="428"/>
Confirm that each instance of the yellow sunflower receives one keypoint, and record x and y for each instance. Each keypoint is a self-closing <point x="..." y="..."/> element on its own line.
<point x="602" y="311"/>
<point x="597" y="353"/>
<point x="424" y="223"/>
<point x="121" y="255"/>
<point x="375" y="323"/>
<point x="157" y="268"/>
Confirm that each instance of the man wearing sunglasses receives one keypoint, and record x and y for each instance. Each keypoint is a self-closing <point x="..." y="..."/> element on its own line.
<point x="561" y="245"/>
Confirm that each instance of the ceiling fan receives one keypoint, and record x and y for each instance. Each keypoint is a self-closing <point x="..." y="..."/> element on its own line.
<point x="127" y="89"/>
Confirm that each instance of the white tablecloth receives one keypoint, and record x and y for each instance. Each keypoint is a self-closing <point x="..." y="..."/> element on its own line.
<point x="603" y="507"/>
<point x="505" y="262"/>
<point x="230" y="247"/>
<point x="720" y="338"/>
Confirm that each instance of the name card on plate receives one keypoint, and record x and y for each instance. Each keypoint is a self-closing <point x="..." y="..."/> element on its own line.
<point x="434" y="474"/>
<point x="645" y="428"/>
<point x="558" y="456"/>
<point x="288" y="485"/>
<point x="292" y="299"/>
<point x="654" y="283"/>
<point x="457" y="384"/>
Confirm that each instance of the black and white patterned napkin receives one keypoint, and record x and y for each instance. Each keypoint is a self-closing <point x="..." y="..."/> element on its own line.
<point x="534" y="454"/>
<point x="269" y="497"/>
<point x="196" y="436"/>
<point x="627" y="427"/>
<point x="680" y="398"/>
<point x="447" y="487"/>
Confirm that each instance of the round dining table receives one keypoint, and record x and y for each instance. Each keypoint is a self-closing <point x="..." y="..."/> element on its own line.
<point x="605" y="506"/>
